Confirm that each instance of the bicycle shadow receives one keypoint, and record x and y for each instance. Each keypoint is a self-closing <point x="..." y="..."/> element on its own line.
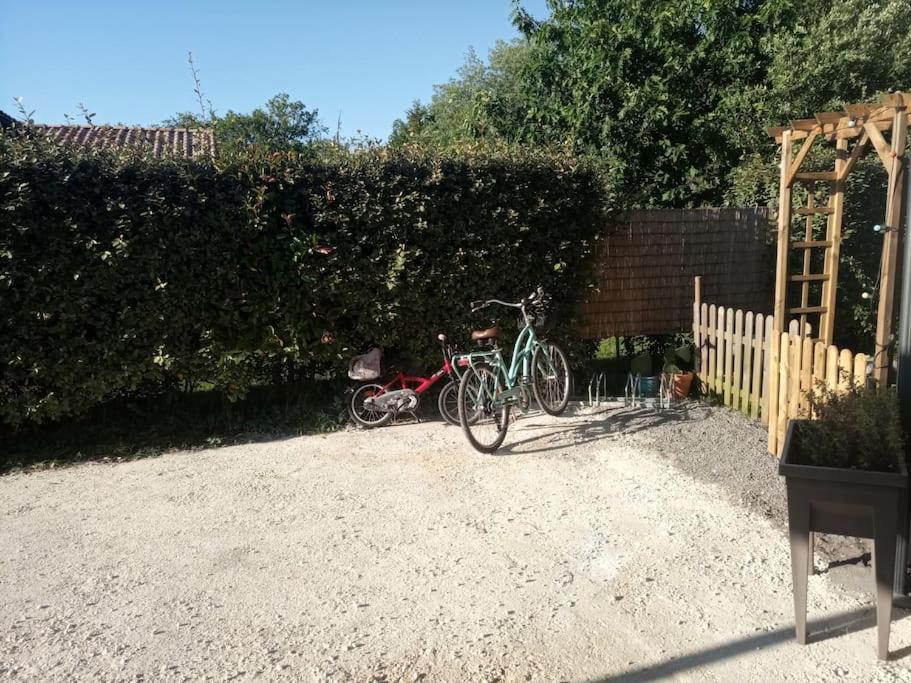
<point x="607" y="423"/>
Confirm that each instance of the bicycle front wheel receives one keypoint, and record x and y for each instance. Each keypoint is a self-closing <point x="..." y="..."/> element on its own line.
<point x="550" y="378"/>
<point x="483" y="423"/>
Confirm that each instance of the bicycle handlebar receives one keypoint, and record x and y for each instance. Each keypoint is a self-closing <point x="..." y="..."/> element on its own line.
<point x="536" y="295"/>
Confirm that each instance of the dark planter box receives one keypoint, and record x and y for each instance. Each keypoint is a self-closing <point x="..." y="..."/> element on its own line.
<point x="834" y="500"/>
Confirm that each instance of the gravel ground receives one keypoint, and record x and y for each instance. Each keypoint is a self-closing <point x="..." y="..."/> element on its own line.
<point x="726" y="448"/>
<point x="606" y="545"/>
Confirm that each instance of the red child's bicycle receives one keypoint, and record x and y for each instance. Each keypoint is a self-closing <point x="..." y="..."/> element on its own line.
<point x="373" y="405"/>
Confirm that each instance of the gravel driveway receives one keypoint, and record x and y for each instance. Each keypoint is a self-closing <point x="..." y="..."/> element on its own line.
<point x="594" y="547"/>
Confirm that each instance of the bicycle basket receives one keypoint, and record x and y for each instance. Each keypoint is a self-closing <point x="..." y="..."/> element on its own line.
<point x="537" y="313"/>
<point x="536" y="318"/>
<point x="367" y="366"/>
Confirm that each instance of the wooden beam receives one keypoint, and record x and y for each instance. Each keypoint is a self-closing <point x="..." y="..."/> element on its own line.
<point x="879" y="142"/>
<point x="815" y="176"/>
<point x="844" y="128"/>
<point x="859" y="111"/>
<point x="813" y="211"/>
<point x="830" y="117"/>
<point x="856" y="153"/>
<point x="893" y="99"/>
<point x="804" y="279"/>
<point x="807" y="309"/>
<point x="775" y="131"/>
<point x="846" y="124"/>
<point x="781" y="283"/>
<point x="784" y="234"/>
<point x="801" y="155"/>
<point x="890" y="251"/>
<point x="808" y="125"/>
<point x="813" y="244"/>
<point x="833" y="236"/>
<point x="810" y="277"/>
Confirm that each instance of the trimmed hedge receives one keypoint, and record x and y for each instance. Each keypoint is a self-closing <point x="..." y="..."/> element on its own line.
<point x="124" y="276"/>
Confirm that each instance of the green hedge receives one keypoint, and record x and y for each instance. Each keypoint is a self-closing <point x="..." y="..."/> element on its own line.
<point x="123" y="276"/>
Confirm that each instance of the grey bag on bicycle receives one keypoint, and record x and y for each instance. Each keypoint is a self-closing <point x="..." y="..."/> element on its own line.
<point x="367" y="366"/>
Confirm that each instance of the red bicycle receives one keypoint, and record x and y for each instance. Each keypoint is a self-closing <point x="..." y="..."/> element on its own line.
<point x="373" y="405"/>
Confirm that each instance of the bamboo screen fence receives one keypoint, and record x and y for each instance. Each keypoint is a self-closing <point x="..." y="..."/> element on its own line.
<point x="646" y="264"/>
<point x="735" y="364"/>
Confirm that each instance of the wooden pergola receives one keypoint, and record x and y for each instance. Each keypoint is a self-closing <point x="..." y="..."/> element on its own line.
<point x="883" y="124"/>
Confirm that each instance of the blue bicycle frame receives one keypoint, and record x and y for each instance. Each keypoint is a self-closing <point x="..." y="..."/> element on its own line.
<point x="519" y="368"/>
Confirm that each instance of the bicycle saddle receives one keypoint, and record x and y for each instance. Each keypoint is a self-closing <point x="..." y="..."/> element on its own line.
<point x="489" y="333"/>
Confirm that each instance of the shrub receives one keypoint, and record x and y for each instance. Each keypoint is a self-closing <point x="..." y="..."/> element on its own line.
<point x="125" y="276"/>
<point x="858" y="429"/>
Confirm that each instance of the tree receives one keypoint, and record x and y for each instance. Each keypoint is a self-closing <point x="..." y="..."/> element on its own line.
<point x="484" y="102"/>
<point x="284" y="124"/>
<point x="670" y="97"/>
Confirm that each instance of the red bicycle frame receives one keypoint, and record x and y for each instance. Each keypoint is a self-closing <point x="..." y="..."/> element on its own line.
<point x="419" y="384"/>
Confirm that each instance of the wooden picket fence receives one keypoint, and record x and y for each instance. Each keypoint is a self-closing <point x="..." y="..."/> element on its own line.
<point x="734" y="350"/>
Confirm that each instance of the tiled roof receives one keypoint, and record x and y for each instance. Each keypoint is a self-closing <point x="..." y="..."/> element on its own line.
<point x="6" y="120"/>
<point x="189" y="143"/>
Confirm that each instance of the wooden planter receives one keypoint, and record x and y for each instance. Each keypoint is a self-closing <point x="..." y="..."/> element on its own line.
<point x="834" y="500"/>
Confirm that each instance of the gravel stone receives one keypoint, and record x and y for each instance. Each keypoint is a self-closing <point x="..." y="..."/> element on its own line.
<point x="607" y="544"/>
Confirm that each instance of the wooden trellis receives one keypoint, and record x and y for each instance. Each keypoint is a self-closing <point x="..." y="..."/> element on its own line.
<point x="852" y="131"/>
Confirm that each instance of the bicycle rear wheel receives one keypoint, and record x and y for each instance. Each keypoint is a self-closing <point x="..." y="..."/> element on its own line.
<point x="449" y="403"/>
<point x="550" y="378"/>
<point x="483" y="423"/>
<point x="364" y="415"/>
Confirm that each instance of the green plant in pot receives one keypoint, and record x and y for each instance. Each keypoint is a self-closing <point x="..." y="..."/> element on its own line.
<point x="678" y="366"/>
<point x="845" y="474"/>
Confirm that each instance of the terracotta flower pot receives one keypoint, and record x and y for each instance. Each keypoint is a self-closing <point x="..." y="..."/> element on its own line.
<point x="682" y="384"/>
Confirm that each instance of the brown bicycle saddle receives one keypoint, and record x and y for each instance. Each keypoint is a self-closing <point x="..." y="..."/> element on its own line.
<point x="489" y="333"/>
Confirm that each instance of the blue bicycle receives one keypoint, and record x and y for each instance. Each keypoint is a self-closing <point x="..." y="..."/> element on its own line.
<point x="489" y="387"/>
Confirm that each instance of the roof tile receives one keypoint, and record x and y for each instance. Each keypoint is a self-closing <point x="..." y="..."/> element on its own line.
<point x="197" y="143"/>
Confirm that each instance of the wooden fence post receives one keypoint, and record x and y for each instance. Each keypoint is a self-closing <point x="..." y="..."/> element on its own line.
<point x="767" y="369"/>
<point x="719" y="360"/>
<point x="728" y="355"/>
<point x="713" y="347"/>
<point x="697" y="328"/>
<point x="736" y="377"/>
<point x="747" y="344"/>
<point x="758" y="362"/>
<point x="706" y="340"/>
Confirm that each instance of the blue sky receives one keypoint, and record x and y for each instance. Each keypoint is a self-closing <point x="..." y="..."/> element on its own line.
<point x="127" y="60"/>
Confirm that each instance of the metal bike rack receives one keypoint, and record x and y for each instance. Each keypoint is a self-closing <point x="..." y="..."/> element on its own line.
<point x="666" y="392"/>
<point x="633" y="390"/>
<point x="598" y="380"/>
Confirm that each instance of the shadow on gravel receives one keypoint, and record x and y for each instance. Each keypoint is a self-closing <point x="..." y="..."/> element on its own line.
<point x="607" y="423"/>
<point x="819" y="630"/>
<point x="132" y="429"/>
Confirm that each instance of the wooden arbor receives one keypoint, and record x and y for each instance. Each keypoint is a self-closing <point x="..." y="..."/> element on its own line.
<point x="852" y="131"/>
